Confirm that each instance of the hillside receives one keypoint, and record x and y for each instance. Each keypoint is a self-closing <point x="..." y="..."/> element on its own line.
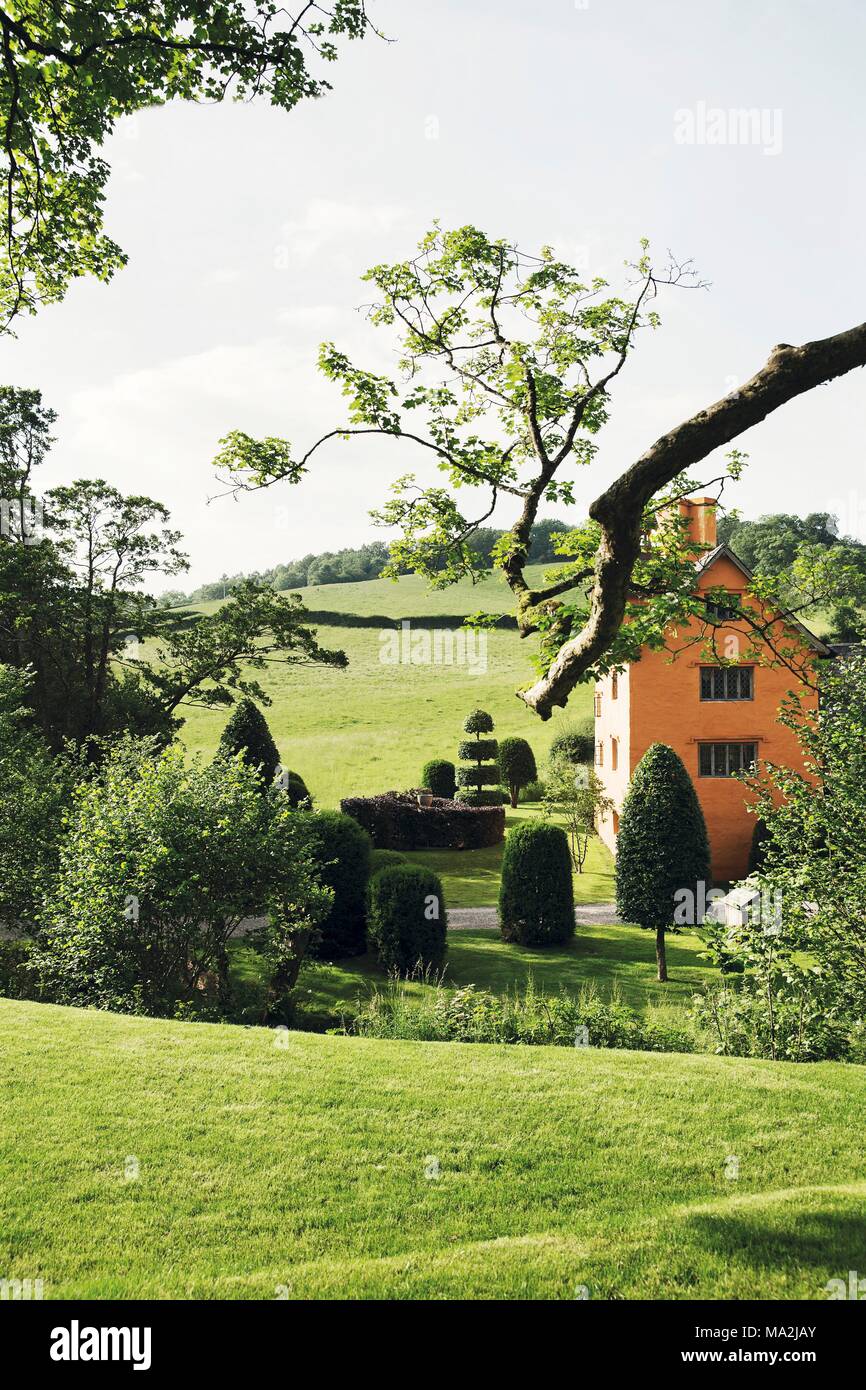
<point x="154" y="1159"/>
<point x="374" y="725"/>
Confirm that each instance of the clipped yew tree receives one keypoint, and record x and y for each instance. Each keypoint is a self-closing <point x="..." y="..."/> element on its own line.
<point x="438" y="777"/>
<point x="478" y="773"/>
<point x="247" y="733"/>
<point x="407" y="920"/>
<point x="516" y="766"/>
<point x="536" y="898"/>
<point x="342" y="852"/>
<point x="662" y="846"/>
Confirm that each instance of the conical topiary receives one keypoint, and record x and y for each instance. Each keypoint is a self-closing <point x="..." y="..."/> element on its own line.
<point x="247" y="732"/>
<point x="662" y="847"/>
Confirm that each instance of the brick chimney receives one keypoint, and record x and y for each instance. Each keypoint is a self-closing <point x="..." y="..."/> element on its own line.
<point x="700" y="512"/>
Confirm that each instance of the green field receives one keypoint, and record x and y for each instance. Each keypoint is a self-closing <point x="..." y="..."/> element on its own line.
<point x="371" y="727"/>
<point x="310" y="1170"/>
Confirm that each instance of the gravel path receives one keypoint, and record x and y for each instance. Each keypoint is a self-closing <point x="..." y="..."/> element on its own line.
<point x="471" y="918"/>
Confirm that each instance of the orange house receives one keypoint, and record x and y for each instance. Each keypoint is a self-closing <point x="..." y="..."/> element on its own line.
<point x="717" y="717"/>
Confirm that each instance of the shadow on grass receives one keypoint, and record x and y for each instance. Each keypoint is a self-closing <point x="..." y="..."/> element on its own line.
<point x="829" y="1240"/>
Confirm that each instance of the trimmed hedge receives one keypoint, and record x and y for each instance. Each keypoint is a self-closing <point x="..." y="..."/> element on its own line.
<point x="536" y="898"/>
<point x="468" y="796"/>
<point x="385" y="859"/>
<point x="482" y="750"/>
<point x="438" y="776"/>
<point x="485" y="775"/>
<point x="343" y="855"/>
<point x="394" y="820"/>
<point x="406" y="919"/>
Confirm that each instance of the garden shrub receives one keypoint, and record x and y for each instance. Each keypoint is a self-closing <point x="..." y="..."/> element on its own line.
<point x="758" y="849"/>
<point x="662" y="846"/>
<point x="577" y="744"/>
<point x="162" y="859"/>
<point x="343" y="853"/>
<point x="385" y="859"/>
<point x="534" y="791"/>
<point x="536" y="898"/>
<point x="406" y="919"/>
<point x="15" y="978"/>
<point x="525" y="1015"/>
<point x="35" y="790"/>
<point x="479" y="773"/>
<point x="516" y="766"/>
<point x="247" y="733"/>
<point x="438" y="777"/>
<point x="295" y="788"/>
<point x="395" y="820"/>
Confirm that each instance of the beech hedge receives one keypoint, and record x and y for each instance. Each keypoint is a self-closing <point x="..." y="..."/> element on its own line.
<point x="394" y="820"/>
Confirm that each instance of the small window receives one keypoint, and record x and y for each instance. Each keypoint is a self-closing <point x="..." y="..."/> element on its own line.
<point x="614" y="686"/>
<point x="615" y="823"/>
<point x="721" y="610"/>
<point x="727" y="683"/>
<point x="724" y="759"/>
<point x="598" y="707"/>
<point x="599" y="755"/>
<point x="614" y="754"/>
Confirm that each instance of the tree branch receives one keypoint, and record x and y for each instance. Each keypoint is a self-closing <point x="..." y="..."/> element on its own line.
<point x="789" y="372"/>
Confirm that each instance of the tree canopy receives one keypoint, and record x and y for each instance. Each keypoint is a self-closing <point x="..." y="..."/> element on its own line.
<point x="69" y="72"/>
<point x="505" y="371"/>
<point x="103" y="656"/>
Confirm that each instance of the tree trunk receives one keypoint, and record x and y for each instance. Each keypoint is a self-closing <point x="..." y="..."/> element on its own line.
<point x="513" y="792"/>
<point x="661" y="956"/>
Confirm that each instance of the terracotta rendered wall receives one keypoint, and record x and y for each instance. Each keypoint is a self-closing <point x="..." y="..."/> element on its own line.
<point x="665" y="707"/>
<point x="613" y="722"/>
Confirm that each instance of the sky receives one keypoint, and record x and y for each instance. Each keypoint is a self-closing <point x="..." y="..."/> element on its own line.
<point x="584" y="124"/>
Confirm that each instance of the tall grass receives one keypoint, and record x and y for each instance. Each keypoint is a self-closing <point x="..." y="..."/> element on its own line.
<point x="525" y="1014"/>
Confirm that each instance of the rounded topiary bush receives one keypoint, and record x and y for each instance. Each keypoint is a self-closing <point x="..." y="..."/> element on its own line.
<point x="342" y="851"/>
<point x="536" y="898"/>
<point x="438" y="777"/>
<point x="575" y="745"/>
<point x="516" y="766"/>
<point x="406" y="918"/>
<point x="385" y="859"/>
<point x="294" y="786"/>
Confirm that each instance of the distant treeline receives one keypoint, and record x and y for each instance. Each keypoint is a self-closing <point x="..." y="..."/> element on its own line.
<point x="350" y="566"/>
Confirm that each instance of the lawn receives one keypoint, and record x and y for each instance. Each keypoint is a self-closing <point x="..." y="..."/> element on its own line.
<point x="152" y="1159"/>
<point x="373" y="726"/>
<point x="612" y="959"/>
<point x="470" y="878"/>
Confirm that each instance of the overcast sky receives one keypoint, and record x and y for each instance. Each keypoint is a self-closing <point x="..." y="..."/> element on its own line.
<point x="553" y="122"/>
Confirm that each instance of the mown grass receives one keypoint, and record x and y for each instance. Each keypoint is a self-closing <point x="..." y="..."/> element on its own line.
<point x="373" y="726"/>
<point x="470" y="878"/>
<point x="352" y="1168"/>
<point x="615" y="960"/>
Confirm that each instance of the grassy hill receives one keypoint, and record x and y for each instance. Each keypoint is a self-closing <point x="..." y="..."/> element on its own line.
<point x="373" y="726"/>
<point x="336" y="1167"/>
